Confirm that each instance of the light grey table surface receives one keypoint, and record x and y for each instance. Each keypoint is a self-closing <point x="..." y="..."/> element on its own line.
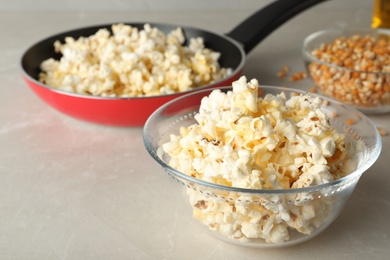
<point x="75" y="190"/>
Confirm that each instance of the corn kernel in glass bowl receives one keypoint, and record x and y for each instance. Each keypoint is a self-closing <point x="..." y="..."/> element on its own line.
<point x="352" y="66"/>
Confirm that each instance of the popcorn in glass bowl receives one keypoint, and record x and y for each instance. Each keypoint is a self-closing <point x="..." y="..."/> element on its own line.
<point x="262" y="166"/>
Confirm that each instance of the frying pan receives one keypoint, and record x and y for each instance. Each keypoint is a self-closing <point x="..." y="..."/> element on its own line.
<point x="134" y="111"/>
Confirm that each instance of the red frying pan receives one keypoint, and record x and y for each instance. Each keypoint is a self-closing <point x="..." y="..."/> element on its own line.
<point x="117" y="111"/>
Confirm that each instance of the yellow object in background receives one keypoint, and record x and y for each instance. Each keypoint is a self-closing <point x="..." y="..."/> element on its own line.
<point x="381" y="14"/>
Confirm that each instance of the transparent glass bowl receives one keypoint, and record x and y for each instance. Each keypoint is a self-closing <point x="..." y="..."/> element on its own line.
<point x="367" y="91"/>
<point x="321" y="204"/>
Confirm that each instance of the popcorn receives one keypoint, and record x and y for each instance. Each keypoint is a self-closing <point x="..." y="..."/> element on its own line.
<point x="245" y="141"/>
<point x="132" y="63"/>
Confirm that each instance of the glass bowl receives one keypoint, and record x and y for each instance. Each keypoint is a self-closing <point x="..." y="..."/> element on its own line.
<point x="320" y="204"/>
<point x="348" y="71"/>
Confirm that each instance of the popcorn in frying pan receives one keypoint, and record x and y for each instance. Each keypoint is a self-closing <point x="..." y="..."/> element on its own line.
<point x="132" y="63"/>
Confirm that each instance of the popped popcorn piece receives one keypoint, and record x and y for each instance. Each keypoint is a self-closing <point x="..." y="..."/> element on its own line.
<point x="132" y="63"/>
<point x="245" y="141"/>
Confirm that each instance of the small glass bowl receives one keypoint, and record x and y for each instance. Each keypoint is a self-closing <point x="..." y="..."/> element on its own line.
<point x="367" y="91"/>
<point x="324" y="202"/>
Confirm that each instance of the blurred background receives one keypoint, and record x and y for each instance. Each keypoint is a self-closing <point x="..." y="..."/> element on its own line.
<point x="49" y="17"/>
<point x="159" y="5"/>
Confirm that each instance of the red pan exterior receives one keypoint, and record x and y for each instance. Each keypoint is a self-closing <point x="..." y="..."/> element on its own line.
<point x="132" y="112"/>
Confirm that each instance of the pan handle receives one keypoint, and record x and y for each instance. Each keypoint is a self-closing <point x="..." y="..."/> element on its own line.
<point x="259" y="25"/>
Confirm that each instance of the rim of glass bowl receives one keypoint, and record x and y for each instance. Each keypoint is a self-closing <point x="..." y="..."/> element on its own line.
<point x="340" y="32"/>
<point x="344" y="180"/>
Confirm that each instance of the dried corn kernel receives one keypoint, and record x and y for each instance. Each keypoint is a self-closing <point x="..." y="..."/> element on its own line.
<point x="382" y="131"/>
<point x="298" y="76"/>
<point x="283" y="72"/>
<point x="350" y="121"/>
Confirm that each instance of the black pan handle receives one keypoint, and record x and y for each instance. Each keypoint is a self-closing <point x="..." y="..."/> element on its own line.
<point x="259" y="25"/>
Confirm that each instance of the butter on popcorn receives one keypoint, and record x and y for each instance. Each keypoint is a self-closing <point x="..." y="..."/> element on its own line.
<point x="246" y="141"/>
<point x="132" y="63"/>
